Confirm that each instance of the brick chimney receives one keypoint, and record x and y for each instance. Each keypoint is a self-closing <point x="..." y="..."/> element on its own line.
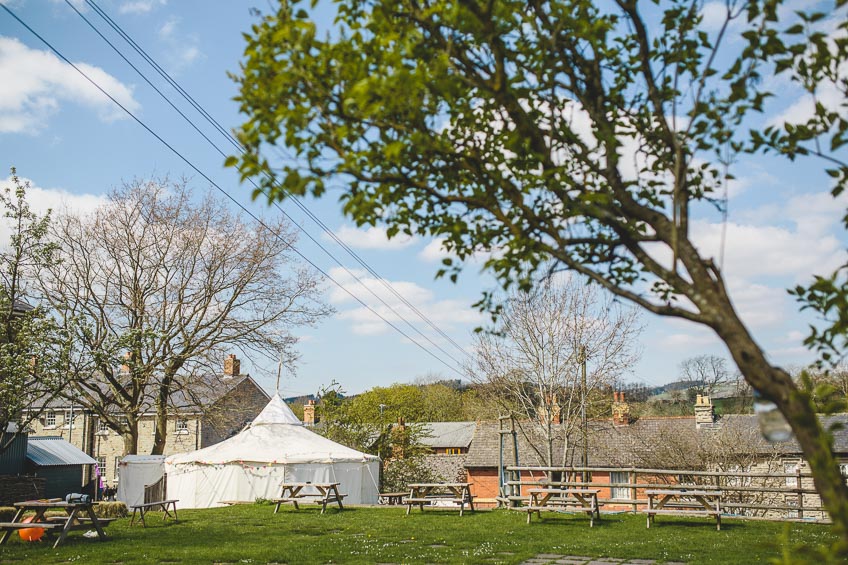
<point x="556" y="412"/>
<point x="620" y="410"/>
<point x="125" y="367"/>
<point x="232" y="366"/>
<point x="704" y="414"/>
<point x="309" y="413"/>
<point x="398" y="438"/>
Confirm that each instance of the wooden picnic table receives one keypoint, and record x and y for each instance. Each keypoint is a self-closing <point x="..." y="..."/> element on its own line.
<point x="684" y="502"/>
<point x="563" y="500"/>
<point x="79" y="515"/>
<point x="322" y="493"/>
<point x="433" y="494"/>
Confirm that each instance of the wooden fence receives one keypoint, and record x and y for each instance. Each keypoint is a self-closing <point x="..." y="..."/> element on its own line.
<point x="752" y="495"/>
<point x="157" y="491"/>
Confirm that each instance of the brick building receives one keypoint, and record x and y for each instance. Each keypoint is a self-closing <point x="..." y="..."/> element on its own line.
<point x="730" y="443"/>
<point x="213" y="409"/>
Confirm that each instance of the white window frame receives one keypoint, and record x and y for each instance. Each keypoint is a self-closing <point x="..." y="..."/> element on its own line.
<point x="102" y="427"/>
<point x="619" y="493"/>
<point x="181" y="426"/>
<point x="101" y="464"/>
<point x="791" y="466"/>
<point x="68" y="419"/>
<point x="50" y="419"/>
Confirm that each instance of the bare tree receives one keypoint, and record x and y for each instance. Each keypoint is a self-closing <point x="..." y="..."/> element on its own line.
<point x="707" y="372"/>
<point x="156" y="283"/>
<point x="534" y="360"/>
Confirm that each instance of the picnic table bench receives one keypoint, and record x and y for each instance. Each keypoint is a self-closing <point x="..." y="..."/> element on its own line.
<point x="436" y="494"/>
<point x="79" y="515"/>
<point x="684" y="502"/>
<point x="563" y="500"/>
<point x="146" y="507"/>
<point x="393" y="497"/>
<point x="321" y="493"/>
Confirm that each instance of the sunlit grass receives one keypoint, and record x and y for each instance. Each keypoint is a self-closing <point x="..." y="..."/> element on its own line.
<point x="254" y="534"/>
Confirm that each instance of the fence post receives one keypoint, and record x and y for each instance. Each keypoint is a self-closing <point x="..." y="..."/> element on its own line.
<point x="631" y="478"/>
<point x="800" y="491"/>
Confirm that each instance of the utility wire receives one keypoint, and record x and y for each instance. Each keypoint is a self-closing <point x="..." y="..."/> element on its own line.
<point x="223" y="154"/>
<point x="218" y="187"/>
<point x="239" y="147"/>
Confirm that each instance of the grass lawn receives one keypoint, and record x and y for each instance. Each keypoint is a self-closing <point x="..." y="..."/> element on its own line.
<point x="254" y="534"/>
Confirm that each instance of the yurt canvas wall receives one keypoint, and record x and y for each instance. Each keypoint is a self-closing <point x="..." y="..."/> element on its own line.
<point x="275" y="448"/>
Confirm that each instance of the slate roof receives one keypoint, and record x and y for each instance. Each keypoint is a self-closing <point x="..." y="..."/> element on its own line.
<point x="204" y="392"/>
<point x="448" y="434"/>
<point x="619" y="446"/>
<point x="54" y="451"/>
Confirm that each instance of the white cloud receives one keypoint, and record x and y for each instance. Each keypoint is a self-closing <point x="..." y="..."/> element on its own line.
<point x="443" y="313"/>
<point x="372" y="238"/>
<point x="807" y="244"/>
<point x="181" y="50"/>
<point x="56" y="199"/>
<point x="33" y="83"/>
<point x="140" y="6"/>
<point x="435" y="251"/>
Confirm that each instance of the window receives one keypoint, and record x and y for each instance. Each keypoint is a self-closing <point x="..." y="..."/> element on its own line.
<point x="789" y="468"/>
<point x="182" y="426"/>
<point x="621" y="493"/>
<point x="117" y="468"/>
<point x="843" y="468"/>
<point x="101" y="466"/>
<point x="102" y="428"/>
<point x="50" y="419"/>
<point x="453" y="451"/>
<point x="68" y="418"/>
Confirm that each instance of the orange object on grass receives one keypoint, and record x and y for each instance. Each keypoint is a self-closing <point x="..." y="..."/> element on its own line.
<point x="31" y="534"/>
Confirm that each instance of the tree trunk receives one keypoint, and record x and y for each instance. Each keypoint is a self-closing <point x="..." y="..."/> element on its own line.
<point x="162" y="416"/>
<point x="131" y="440"/>
<point x="776" y="385"/>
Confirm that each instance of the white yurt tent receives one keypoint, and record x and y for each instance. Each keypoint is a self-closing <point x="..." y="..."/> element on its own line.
<point x="275" y="448"/>
<point x="135" y="472"/>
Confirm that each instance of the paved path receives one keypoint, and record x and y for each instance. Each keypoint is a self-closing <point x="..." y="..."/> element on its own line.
<point x="555" y="559"/>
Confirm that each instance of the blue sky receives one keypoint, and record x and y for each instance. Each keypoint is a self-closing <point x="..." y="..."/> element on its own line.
<point x="74" y="144"/>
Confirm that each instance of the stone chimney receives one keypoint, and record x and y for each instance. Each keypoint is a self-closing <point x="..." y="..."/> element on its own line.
<point x="232" y="366"/>
<point x="620" y="410"/>
<point x="704" y="414"/>
<point x="309" y="413"/>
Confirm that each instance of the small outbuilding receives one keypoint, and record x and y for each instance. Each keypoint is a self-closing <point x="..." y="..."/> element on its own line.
<point x="137" y="472"/>
<point x="61" y="464"/>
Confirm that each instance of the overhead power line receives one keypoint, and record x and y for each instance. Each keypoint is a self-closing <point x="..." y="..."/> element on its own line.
<point x="237" y="145"/>
<point x="217" y="186"/>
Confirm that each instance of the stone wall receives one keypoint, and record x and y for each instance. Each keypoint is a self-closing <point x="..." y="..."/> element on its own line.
<point x="21" y="487"/>
<point x="450" y="468"/>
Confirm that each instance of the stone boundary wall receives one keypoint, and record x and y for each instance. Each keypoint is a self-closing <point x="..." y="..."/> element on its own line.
<point x="450" y="467"/>
<point x="15" y="488"/>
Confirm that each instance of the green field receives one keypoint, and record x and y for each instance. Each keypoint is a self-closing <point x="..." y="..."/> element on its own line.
<point x="254" y="534"/>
